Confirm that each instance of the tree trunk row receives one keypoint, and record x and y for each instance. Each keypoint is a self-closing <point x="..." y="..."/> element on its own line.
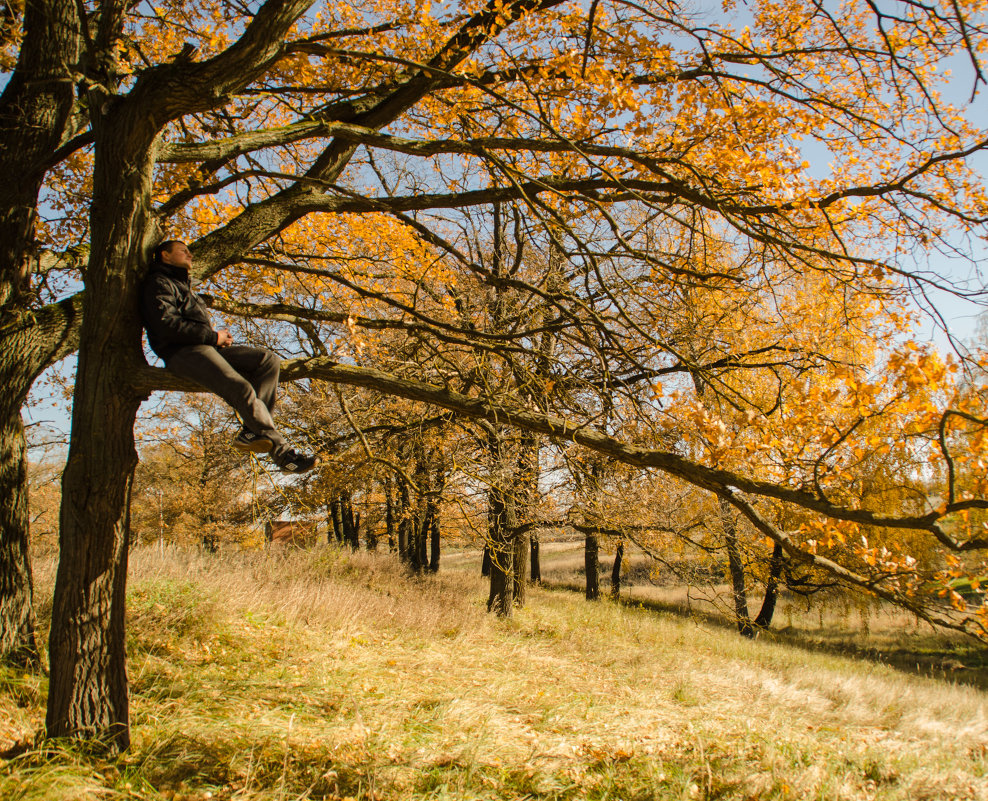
<point x="345" y="522"/>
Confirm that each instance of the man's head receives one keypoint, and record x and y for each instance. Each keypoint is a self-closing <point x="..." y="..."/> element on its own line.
<point x="174" y="252"/>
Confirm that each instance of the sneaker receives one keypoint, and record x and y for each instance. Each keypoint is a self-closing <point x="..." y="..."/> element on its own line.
<point x="292" y="461"/>
<point x="248" y="441"/>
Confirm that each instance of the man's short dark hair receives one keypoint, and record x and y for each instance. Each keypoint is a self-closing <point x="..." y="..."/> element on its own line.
<point x="164" y="247"/>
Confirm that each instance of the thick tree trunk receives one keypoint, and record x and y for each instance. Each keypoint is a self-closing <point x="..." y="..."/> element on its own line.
<point x="591" y="565"/>
<point x="536" y="574"/>
<point x="88" y="686"/>
<point x="18" y="645"/>
<point x="736" y="567"/>
<point x="26" y="349"/>
<point x="616" y="570"/>
<point x="500" y="520"/>
<point x="767" y="612"/>
<point x="35" y="110"/>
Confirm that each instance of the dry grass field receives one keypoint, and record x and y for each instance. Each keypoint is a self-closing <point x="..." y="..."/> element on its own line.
<point x="833" y="622"/>
<point x="325" y="675"/>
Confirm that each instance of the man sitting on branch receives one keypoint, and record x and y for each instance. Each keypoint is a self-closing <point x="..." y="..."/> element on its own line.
<point x="180" y="332"/>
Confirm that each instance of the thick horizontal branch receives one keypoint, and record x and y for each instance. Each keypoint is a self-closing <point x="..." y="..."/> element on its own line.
<point x="580" y="432"/>
<point x="223" y="149"/>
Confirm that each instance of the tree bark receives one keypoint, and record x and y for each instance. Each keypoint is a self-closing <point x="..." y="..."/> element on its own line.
<point x="371" y="537"/>
<point x="520" y="562"/>
<point x="767" y="612"/>
<point x="526" y="492"/>
<point x="351" y="524"/>
<point x="591" y="565"/>
<point x="616" y="570"/>
<point x="88" y="685"/>
<point x="500" y="522"/>
<point x="27" y="347"/>
<point x="18" y="644"/>
<point x="404" y="520"/>
<point x="389" y="513"/>
<point x="420" y="533"/>
<point x="735" y="565"/>
<point x="418" y="546"/>
<point x="336" y="514"/>
<point x="35" y="110"/>
<point x="434" y="541"/>
<point x="536" y="574"/>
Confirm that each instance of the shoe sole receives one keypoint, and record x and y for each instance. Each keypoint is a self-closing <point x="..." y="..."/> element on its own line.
<point x="258" y="446"/>
<point x="299" y="472"/>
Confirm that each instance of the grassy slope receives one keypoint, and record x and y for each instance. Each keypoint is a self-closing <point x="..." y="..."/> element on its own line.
<point x="330" y="676"/>
<point x="834" y="622"/>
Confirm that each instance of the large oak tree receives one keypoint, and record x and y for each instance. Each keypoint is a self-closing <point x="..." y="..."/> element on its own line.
<point x="317" y="157"/>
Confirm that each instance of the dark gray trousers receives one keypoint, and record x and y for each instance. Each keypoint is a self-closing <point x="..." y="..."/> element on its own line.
<point x="245" y="377"/>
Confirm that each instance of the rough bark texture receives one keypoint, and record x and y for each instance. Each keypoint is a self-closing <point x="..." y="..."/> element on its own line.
<point x="88" y="686"/>
<point x="35" y="109"/>
<point x="27" y="347"/>
<point x="17" y="635"/>
<point x="500" y="525"/>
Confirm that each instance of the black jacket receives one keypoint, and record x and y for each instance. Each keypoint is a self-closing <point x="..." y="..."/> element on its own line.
<point x="174" y="316"/>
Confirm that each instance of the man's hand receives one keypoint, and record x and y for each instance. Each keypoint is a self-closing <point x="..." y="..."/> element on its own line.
<point x="223" y="338"/>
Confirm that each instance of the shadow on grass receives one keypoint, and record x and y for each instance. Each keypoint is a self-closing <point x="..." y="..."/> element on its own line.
<point x="958" y="661"/>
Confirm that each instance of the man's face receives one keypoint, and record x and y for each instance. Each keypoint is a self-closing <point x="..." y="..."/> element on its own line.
<point x="178" y="256"/>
